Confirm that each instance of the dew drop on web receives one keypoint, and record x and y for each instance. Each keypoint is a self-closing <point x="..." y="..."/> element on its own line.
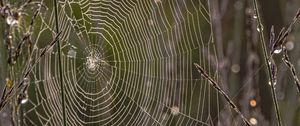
<point x="254" y="16"/>
<point x="72" y="53"/>
<point x="11" y="21"/>
<point x="175" y="110"/>
<point x="277" y="51"/>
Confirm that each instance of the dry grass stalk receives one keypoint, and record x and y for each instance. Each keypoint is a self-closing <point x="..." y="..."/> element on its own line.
<point x="8" y="93"/>
<point x="291" y="67"/>
<point x="284" y="33"/>
<point x="216" y="86"/>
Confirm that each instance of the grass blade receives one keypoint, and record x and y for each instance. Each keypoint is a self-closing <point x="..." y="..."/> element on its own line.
<point x="60" y="66"/>
<point x="268" y="62"/>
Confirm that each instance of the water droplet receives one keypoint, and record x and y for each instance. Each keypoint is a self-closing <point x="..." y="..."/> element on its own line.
<point x="22" y="98"/>
<point x="23" y="101"/>
<point x="269" y="62"/>
<point x="11" y="21"/>
<point x="277" y="51"/>
<point x="72" y="53"/>
<point x="26" y="81"/>
<point x="175" y="110"/>
<point x="253" y="121"/>
<point x="255" y="16"/>
<point x="258" y="29"/>
<point x="273" y="83"/>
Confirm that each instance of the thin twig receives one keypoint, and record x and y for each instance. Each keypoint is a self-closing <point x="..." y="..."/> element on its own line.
<point x="28" y="34"/>
<point x="215" y="85"/>
<point x="287" y="62"/>
<point x="284" y="33"/>
<point x="7" y="93"/>
<point x="271" y="60"/>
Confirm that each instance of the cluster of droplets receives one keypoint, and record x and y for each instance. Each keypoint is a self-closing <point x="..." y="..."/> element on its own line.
<point x="12" y="17"/>
<point x="259" y="27"/>
<point x="175" y="110"/>
<point x="274" y="84"/>
<point x="23" y="96"/>
<point x="10" y="20"/>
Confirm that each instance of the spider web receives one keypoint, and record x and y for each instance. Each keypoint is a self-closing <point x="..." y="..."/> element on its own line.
<point x="124" y="63"/>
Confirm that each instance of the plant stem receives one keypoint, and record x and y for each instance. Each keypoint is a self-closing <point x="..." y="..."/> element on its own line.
<point x="267" y="60"/>
<point x="216" y="86"/>
<point x="60" y="67"/>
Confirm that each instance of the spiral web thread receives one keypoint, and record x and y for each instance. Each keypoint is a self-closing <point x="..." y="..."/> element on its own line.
<point x="124" y="62"/>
